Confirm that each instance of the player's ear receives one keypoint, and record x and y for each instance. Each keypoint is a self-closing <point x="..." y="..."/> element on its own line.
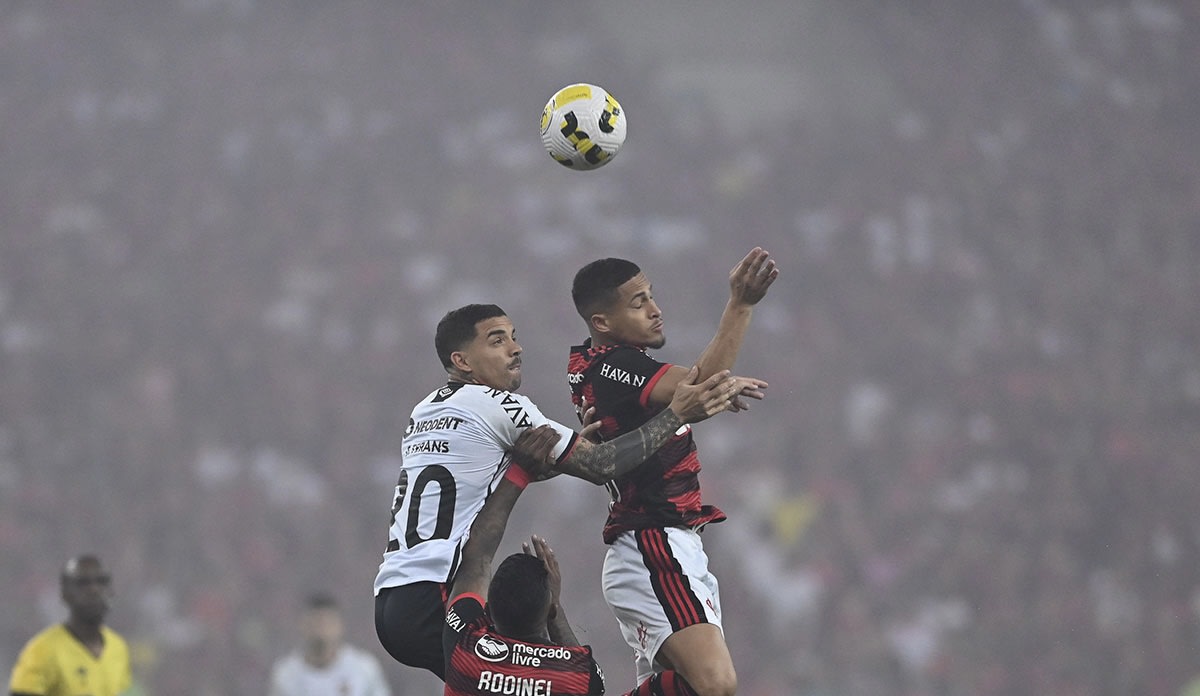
<point x="599" y="323"/>
<point x="458" y="360"/>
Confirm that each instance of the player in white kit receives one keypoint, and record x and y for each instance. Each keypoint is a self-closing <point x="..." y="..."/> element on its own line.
<point x="455" y="451"/>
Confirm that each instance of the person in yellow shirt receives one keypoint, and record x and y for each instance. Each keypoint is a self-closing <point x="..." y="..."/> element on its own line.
<point x="82" y="656"/>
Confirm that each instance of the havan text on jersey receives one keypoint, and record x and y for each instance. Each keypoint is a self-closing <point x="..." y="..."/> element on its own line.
<point x="616" y="374"/>
<point x="512" y="407"/>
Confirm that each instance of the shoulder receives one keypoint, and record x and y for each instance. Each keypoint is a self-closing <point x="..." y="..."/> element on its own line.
<point x="290" y="660"/>
<point x="587" y="353"/>
<point x="624" y="353"/>
<point x="465" y="613"/>
<point x="111" y="637"/>
<point x="359" y="657"/>
<point x="477" y="397"/>
<point x="288" y="664"/>
<point x="625" y="367"/>
<point x="461" y="407"/>
<point x="38" y="659"/>
<point x="465" y="607"/>
<point x="46" y="639"/>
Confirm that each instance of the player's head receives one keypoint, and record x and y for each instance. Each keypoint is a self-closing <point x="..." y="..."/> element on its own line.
<point x="86" y="589"/>
<point x="616" y="300"/>
<point x="477" y="344"/>
<point x="519" y="595"/>
<point x="321" y="626"/>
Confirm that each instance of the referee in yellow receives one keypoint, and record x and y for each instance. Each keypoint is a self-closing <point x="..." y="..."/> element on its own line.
<point x="81" y="655"/>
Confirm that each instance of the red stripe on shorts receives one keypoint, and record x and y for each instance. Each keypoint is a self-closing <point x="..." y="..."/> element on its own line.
<point x="671" y="586"/>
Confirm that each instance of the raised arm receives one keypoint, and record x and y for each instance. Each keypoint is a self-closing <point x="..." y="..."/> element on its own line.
<point x="690" y="403"/>
<point x="748" y="284"/>
<point x="557" y="624"/>
<point x="475" y="569"/>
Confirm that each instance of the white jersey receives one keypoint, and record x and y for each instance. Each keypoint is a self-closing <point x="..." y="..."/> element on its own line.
<point x="454" y="454"/>
<point x="353" y="672"/>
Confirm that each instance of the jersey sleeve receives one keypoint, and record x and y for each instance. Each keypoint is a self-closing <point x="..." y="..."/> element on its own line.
<point x="31" y="674"/>
<point x="518" y="413"/>
<point x="565" y="443"/>
<point x="465" y="612"/>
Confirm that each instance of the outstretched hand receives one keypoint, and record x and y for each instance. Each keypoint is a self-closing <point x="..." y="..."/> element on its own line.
<point x="752" y="276"/>
<point x="694" y="402"/>
<point x="749" y="388"/>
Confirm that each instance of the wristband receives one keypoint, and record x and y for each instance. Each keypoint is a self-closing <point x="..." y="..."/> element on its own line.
<point x="517" y="475"/>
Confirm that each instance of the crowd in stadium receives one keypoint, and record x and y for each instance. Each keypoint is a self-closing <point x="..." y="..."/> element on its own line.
<point x="229" y="230"/>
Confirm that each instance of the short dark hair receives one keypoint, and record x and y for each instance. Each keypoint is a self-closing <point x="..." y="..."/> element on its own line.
<point x="596" y="284"/>
<point x="321" y="600"/>
<point x="70" y="568"/>
<point x="519" y="590"/>
<point x="457" y="328"/>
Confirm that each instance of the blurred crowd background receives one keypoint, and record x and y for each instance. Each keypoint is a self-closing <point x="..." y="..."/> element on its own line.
<point x="228" y="228"/>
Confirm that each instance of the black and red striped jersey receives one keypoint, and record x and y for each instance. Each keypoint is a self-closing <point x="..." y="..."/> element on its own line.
<point x="480" y="661"/>
<point x="664" y="491"/>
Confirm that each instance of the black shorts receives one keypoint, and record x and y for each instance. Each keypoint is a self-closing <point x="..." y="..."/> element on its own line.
<point x="409" y="620"/>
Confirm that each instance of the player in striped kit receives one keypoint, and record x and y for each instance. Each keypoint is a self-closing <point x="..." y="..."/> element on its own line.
<point x="656" y="577"/>
<point x="528" y="647"/>
<point x="455" y="452"/>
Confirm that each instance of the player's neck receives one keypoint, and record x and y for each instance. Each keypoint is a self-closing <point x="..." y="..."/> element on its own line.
<point x="460" y="377"/>
<point x="537" y="636"/>
<point x="86" y="632"/>
<point x="540" y="637"/>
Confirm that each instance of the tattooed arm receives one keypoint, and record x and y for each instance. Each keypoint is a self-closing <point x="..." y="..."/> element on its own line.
<point x="691" y="403"/>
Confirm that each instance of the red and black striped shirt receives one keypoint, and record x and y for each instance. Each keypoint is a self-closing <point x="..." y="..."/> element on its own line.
<point x="480" y="661"/>
<point x="665" y="490"/>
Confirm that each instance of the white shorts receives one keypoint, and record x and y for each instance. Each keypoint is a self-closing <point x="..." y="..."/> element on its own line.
<point x="656" y="581"/>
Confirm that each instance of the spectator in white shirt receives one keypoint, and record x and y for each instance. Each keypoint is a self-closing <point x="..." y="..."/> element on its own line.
<point x="324" y="663"/>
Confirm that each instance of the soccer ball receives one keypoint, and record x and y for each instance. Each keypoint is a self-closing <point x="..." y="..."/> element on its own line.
<point x="583" y="127"/>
